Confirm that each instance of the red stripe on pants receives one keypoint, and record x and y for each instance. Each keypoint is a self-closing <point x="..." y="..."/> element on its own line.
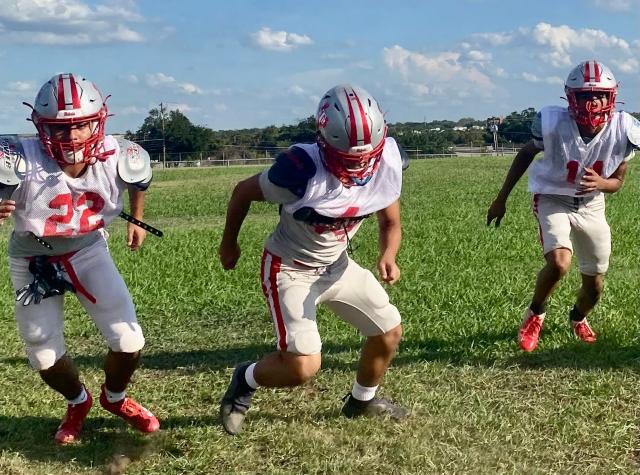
<point x="271" y="294"/>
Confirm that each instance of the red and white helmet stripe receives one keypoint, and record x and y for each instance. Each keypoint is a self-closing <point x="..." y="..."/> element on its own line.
<point x="68" y="97"/>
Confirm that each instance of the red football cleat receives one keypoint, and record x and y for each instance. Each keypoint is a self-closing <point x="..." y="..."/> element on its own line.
<point x="133" y="413"/>
<point x="71" y="425"/>
<point x="530" y="330"/>
<point x="583" y="330"/>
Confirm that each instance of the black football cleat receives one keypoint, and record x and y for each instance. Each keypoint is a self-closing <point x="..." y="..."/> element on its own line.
<point x="236" y="401"/>
<point x="377" y="407"/>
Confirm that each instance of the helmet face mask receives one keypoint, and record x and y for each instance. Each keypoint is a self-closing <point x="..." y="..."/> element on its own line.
<point x="351" y="134"/>
<point x="591" y="91"/>
<point x="67" y="102"/>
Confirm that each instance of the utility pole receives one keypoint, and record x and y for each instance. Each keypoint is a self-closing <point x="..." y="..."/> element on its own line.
<point x="164" y="147"/>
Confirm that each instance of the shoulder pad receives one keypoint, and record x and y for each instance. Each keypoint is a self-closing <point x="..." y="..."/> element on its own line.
<point x="12" y="160"/>
<point x="633" y="132"/>
<point x="134" y="164"/>
<point x="405" y="157"/>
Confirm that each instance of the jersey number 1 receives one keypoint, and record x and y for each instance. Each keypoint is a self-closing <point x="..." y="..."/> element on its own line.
<point x="573" y="166"/>
<point x="96" y="203"/>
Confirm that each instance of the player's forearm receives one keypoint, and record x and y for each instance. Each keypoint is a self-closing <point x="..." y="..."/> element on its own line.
<point x="611" y="185"/>
<point x="519" y="166"/>
<point x="136" y="203"/>
<point x="390" y="237"/>
<point x="390" y="242"/>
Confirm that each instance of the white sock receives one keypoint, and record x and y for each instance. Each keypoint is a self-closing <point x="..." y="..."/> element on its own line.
<point x="82" y="397"/>
<point x="363" y="393"/>
<point x="248" y="376"/>
<point x="114" y="397"/>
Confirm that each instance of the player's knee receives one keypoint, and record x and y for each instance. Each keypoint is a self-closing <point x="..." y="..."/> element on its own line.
<point x="392" y="338"/>
<point x="127" y="337"/>
<point x="305" y="342"/>
<point x="559" y="262"/>
<point x="43" y="350"/>
<point x="302" y="367"/>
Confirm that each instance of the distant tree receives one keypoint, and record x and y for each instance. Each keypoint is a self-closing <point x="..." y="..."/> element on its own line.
<point x="180" y="135"/>
<point x="516" y="127"/>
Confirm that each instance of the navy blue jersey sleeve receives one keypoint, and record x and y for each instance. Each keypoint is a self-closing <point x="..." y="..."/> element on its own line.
<point x="405" y="157"/>
<point x="292" y="170"/>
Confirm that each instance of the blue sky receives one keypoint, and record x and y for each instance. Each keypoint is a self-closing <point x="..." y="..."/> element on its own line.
<point x="234" y="64"/>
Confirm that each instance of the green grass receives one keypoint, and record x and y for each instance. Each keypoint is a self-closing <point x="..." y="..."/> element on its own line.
<point x="479" y="405"/>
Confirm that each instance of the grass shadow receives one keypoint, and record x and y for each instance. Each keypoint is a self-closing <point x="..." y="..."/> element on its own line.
<point x="105" y="442"/>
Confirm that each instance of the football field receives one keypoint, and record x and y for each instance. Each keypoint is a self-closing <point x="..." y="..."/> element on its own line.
<point x="479" y="405"/>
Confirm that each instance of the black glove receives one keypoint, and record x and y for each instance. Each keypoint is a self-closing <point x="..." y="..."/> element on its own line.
<point x="48" y="280"/>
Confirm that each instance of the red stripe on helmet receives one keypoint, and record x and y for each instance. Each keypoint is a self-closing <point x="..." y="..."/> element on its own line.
<point x="365" y="123"/>
<point x="587" y="72"/>
<point x="61" y="102"/>
<point x="75" y="98"/>
<point x="596" y="71"/>
<point x="353" y="137"/>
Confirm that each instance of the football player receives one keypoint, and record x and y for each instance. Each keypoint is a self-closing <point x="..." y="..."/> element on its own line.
<point x="63" y="188"/>
<point x="324" y="190"/>
<point x="586" y="148"/>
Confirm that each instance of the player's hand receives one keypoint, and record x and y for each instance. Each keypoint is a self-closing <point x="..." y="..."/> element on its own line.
<point x="590" y="182"/>
<point x="388" y="270"/>
<point x="6" y="208"/>
<point x="496" y="211"/>
<point x="229" y="254"/>
<point x="135" y="236"/>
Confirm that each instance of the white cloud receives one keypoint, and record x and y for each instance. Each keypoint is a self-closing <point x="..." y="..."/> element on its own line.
<point x="478" y="56"/>
<point x="529" y="77"/>
<point x="190" y="88"/>
<point x="22" y="86"/>
<point x="296" y="90"/>
<point x="220" y="107"/>
<point x="562" y="40"/>
<point x="445" y="73"/>
<point x="494" y="39"/>
<point x="501" y="73"/>
<point x="267" y="39"/>
<point x="617" y="5"/>
<point x="67" y="22"/>
<point x="159" y="79"/>
<point x="164" y="80"/>
<point x="630" y="65"/>
<point x="178" y="107"/>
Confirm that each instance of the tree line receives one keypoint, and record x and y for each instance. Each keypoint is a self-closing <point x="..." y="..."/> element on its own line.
<point x="178" y="134"/>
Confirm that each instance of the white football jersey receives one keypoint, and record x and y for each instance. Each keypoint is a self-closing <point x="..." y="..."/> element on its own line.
<point x="566" y="154"/>
<point x="314" y="230"/>
<point x="51" y="204"/>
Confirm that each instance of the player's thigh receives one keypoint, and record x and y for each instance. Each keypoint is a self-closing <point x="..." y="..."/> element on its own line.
<point x="592" y="240"/>
<point x="113" y="311"/>
<point x="291" y="297"/>
<point x="40" y="326"/>
<point x="359" y="299"/>
<point x="554" y="223"/>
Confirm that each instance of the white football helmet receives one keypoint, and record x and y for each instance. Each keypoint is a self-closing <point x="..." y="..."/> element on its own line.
<point x="351" y="133"/>
<point x="591" y="76"/>
<point x="64" y="100"/>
